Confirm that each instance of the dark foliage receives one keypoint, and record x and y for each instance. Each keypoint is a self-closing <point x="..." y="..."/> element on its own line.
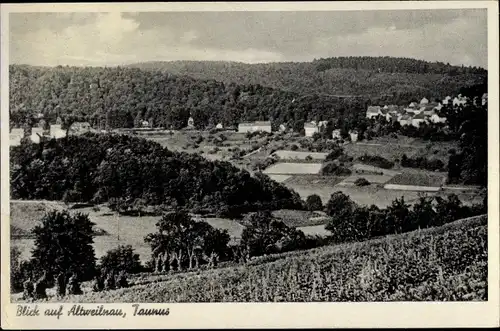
<point x="63" y="243"/>
<point x="121" y="259"/>
<point x="376" y="161"/>
<point x="132" y="172"/>
<point x="351" y="222"/>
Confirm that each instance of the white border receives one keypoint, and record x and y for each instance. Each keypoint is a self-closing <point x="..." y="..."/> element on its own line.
<point x="271" y="315"/>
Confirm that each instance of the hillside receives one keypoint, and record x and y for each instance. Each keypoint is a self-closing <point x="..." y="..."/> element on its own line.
<point x="123" y="97"/>
<point x="445" y="263"/>
<point x="399" y="80"/>
<point x="133" y="173"/>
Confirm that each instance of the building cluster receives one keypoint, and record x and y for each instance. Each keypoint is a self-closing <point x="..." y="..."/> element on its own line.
<point x="417" y="113"/>
<point x="39" y="132"/>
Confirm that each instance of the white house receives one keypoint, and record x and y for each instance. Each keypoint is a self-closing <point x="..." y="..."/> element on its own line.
<point x="15" y="136"/>
<point x="484" y="99"/>
<point x="435" y="118"/>
<point x="418" y="119"/>
<point x="219" y="126"/>
<point x="459" y="101"/>
<point x="255" y="126"/>
<point x="310" y="129"/>
<point x="424" y="101"/>
<point x="412" y="105"/>
<point x="373" y="111"/>
<point x="336" y="134"/>
<point x="190" y="123"/>
<point x="145" y="124"/>
<point x="354" y="135"/>
<point x="36" y="133"/>
<point x="56" y="131"/>
<point x="446" y="100"/>
<point x="322" y="124"/>
<point x="405" y="120"/>
<point x="282" y="128"/>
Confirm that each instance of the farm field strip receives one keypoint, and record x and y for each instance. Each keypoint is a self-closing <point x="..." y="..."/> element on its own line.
<point x="293" y="168"/>
<point x="290" y="155"/>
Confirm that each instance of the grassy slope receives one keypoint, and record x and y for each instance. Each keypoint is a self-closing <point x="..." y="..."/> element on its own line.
<point x="445" y="263"/>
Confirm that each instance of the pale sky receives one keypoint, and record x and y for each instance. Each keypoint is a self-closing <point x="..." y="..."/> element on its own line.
<point x="454" y="36"/>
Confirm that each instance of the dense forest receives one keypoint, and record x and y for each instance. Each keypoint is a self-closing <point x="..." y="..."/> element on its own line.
<point x="379" y="79"/>
<point x="130" y="172"/>
<point x="121" y="97"/>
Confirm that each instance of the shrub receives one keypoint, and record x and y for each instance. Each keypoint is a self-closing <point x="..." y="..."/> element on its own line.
<point x="294" y="147"/>
<point x="376" y="161"/>
<point x="334" y="169"/>
<point x="121" y="259"/>
<point x="313" y="203"/>
<point x="361" y="182"/>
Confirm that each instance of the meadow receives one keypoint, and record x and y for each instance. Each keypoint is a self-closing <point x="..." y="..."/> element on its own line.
<point x="293" y="168"/>
<point x="394" y="148"/>
<point x="448" y="263"/>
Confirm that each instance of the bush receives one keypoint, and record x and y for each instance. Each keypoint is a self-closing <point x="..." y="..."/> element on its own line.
<point x="422" y="163"/>
<point x="361" y="182"/>
<point x="294" y="147"/>
<point x="376" y="161"/>
<point x="334" y="169"/>
<point x="314" y="203"/>
<point x="121" y="259"/>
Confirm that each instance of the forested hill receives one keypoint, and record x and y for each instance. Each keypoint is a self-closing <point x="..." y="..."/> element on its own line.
<point x="121" y="97"/>
<point x="397" y="80"/>
<point x="133" y="172"/>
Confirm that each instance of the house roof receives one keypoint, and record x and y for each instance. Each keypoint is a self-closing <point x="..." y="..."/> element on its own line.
<point x="424" y="100"/>
<point x="310" y="125"/>
<point x="420" y="116"/>
<point x="405" y="117"/>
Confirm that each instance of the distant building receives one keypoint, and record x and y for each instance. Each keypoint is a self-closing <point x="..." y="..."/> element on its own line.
<point x="405" y="120"/>
<point x="322" y="125"/>
<point x="190" y="123"/>
<point x="435" y="118"/>
<point x="336" y="134"/>
<point x="459" y="101"/>
<point x="373" y="111"/>
<point x="282" y="128"/>
<point x="353" y="135"/>
<point x="446" y="100"/>
<point x="413" y="105"/>
<point x="418" y="119"/>
<point x="424" y="101"/>
<point x="255" y="126"/>
<point x="310" y="129"/>
<point x="56" y="131"/>
<point x="219" y="126"/>
<point x="15" y="136"/>
<point x="78" y="128"/>
<point x="484" y="99"/>
<point x="145" y="124"/>
<point x="36" y="134"/>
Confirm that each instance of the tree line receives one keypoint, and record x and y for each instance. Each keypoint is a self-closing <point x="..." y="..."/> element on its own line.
<point x="124" y="97"/>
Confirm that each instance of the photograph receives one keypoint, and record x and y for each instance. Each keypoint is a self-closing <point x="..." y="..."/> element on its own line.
<point x="248" y="154"/>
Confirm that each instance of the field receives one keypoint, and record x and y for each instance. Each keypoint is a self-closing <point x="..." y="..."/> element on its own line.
<point x="122" y="230"/>
<point x="294" y="168"/>
<point x="394" y="148"/>
<point x="294" y="155"/>
<point x="418" y="179"/>
<point x="448" y="263"/>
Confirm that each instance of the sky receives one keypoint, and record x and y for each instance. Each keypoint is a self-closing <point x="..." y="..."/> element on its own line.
<point x="96" y="39"/>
